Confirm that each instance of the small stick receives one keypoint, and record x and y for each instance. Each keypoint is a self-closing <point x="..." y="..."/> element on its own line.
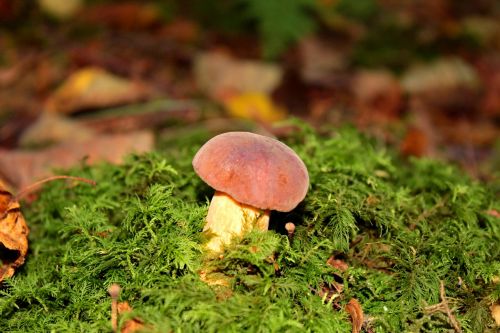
<point x="290" y="227"/>
<point x="114" y="292"/>
<point x="451" y="317"/>
<point x="37" y="184"/>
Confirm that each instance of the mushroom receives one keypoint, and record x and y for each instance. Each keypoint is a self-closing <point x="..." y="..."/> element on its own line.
<point x="251" y="174"/>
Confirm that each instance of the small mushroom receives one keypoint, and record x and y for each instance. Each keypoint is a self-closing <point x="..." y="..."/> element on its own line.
<point x="252" y="174"/>
<point x="290" y="228"/>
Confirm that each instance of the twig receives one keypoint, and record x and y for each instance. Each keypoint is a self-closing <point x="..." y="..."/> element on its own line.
<point x="445" y="308"/>
<point x="37" y="184"/>
<point x="451" y="317"/>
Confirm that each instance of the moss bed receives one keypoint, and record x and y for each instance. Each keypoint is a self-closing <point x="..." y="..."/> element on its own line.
<point x="402" y="227"/>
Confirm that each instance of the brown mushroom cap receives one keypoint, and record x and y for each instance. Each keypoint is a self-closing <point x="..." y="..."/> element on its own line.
<point x="253" y="169"/>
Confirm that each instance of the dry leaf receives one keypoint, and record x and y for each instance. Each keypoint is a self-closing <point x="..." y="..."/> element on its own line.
<point x="495" y="313"/>
<point x="378" y="96"/>
<point x="24" y="167"/>
<point x="254" y="106"/>
<point x="356" y="312"/>
<point x="489" y="70"/>
<point x="320" y="60"/>
<point x="13" y="234"/>
<point x="61" y="9"/>
<point x="131" y="325"/>
<point x="415" y="143"/>
<point x="126" y="15"/>
<point x="218" y="74"/>
<point x="337" y="263"/>
<point x="441" y="76"/>
<point x="182" y="30"/>
<point x="484" y="29"/>
<point x="94" y="88"/>
<point x="54" y="128"/>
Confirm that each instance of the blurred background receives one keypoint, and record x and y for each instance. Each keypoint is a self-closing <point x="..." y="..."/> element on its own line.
<point x="97" y="79"/>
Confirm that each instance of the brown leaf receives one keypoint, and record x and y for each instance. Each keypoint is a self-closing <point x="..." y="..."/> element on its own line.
<point x="378" y="96"/>
<point x="442" y="75"/>
<point x="415" y="143"/>
<point x="54" y="128"/>
<point x="131" y="325"/>
<point x="320" y="60"/>
<point x="13" y="234"/>
<point x="182" y="30"/>
<point x="93" y="87"/>
<point x="21" y="167"/>
<point x="337" y="264"/>
<point x="125" y="15"/>
<point x="356" y="312"/>
<point x="219" y="74"/>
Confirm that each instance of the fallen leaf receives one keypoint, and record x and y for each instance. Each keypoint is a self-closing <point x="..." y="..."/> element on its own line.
<point x="21" y="168"/>
<point x="93" y="87"/>
<point x="337" y="264"/>
<point x="484" y="29"/>
<point x="495" y="313"/>
<point x="149" y="114"/>
<point x="378" y="96"/>
<point x="415" y="143"/>
<point x="356" y="312"/>
<point x="13" y="234"/>
<point x="61" y="9"/>
<point x="441" y="76"/>
<point x="218" y="74"/>
<point x="126" y="15"/>
<point x="320" y="60"/>
<point x="10" y="10"/>
<point x="254" y="106"/>
<point x="489" y="71"/>
<point x="131" y="325"/>
<point x="54" y="128"/>
<point x="182" y="30"/>
<point x="8" y="75"/>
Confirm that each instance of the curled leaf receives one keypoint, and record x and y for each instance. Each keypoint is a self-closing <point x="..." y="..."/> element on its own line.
<point x="356" y="312"/>
<point x="13" y="234"/>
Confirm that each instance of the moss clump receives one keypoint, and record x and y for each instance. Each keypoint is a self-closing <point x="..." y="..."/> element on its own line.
<point x="401" y="228"/>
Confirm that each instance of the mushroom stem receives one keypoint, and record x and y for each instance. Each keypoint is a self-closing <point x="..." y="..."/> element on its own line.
<point x="227" y="218"/>
<point x="114" y="292"/>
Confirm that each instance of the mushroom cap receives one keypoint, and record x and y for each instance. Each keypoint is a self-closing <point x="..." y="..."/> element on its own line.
<point x="253" y="169"/>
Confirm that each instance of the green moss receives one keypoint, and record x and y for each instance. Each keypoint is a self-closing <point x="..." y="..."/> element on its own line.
<point x="402" y="227"/>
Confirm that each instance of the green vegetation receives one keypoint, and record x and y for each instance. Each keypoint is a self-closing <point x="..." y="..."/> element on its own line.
<point x="402" y="227"/>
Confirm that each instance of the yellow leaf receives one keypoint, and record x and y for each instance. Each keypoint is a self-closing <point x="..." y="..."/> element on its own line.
<point x="61" y="9"/>
<point x="254" y="106"/>
<point x="94" y="88"/>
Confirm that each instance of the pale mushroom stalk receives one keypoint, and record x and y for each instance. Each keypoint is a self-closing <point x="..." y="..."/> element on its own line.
<point x="228" y="218"/>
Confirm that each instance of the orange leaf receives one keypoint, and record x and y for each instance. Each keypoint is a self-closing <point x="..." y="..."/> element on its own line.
<point x="495" y="313"/>
<point x="13" y="234"/>
<point x="131" y="325"/>
<point x="356" y="312"/>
